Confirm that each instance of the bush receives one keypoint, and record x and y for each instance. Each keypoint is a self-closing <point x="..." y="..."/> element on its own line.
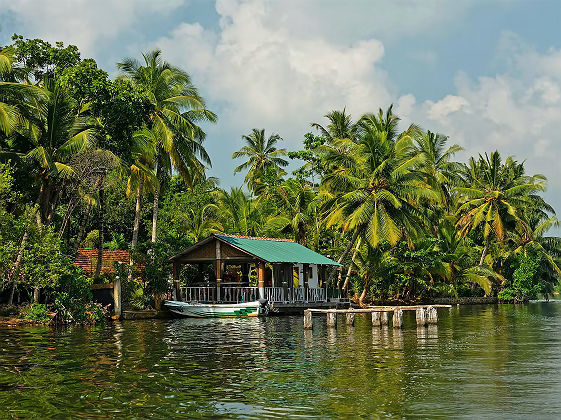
<point x="37" y="312"/>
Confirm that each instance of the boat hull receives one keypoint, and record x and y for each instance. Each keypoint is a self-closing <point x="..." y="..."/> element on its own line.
<point x="216" y="310"/>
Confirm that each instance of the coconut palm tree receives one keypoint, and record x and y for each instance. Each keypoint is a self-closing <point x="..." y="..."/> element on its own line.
<point x="494" y="195"/>
<point x="341" y="126"/>
<point x="262" y="155"/>
<point x="437" y="163"/>
<point x="141" y="178"/>
<point x="177" y="109"/>
<point x="297" y="200"/>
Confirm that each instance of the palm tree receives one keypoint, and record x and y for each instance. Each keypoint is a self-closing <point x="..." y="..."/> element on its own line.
<point x="239" y="212"/>
<point x="141" y="177"/>
<point x="262" y="154"/>
<point x="494" y="194"/>
<point x="437" y="163"/>
<point x="373" y="188"/>
<point x="177" y="108"/>
<point x="200" y="223"/>
<point x="297" y="201"/>
<point x="340" y="126"/>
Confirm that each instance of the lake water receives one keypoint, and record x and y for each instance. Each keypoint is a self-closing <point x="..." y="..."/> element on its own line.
<point x="480" y="362"/>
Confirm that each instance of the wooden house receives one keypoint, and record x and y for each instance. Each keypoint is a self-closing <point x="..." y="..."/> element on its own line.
<point x="247" y="268"/>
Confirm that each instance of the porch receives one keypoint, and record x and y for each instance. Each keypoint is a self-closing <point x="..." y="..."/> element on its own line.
<point x="246" y="269"/>
<point x="237" y="294"/>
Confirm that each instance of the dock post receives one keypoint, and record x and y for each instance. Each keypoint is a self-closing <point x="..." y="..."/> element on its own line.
<point x="432" y="315"/>
<point x="117" y="296"/>
<point x="421" y="316"/>
<point x="307" y="319"/>
<point x="331" y="319"/>
<point x="351" y="319"/>
<point x="398" y="318"/>
<point x="384" y="318"/>
<point x="376" y="319"/>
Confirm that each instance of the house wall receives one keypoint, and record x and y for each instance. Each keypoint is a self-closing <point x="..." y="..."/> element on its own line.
<point x="312" y="281"/>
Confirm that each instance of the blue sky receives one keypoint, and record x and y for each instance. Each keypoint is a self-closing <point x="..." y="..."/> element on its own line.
<point x="486" y="73"/>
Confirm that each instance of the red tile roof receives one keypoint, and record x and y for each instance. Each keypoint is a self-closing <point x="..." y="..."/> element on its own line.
<point x="87" y="259"/>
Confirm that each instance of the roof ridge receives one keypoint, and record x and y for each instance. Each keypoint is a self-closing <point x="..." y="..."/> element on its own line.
<point x="263" y="238"/>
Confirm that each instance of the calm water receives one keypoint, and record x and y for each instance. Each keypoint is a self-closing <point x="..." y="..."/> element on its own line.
<point x="481" y="362"/>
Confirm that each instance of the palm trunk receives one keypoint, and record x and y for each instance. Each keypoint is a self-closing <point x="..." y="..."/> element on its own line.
<point x="364" y="291"/>
<point x="85" y="219"/>
<point x="342" y="258"/>
<point x="136" y="226"/>
<point x="66" y="219"/>
<point x="101" y="228"/>
<point x="17" y="263"/>
<point x="485" y="250"/>
<point x="346" y="284"/>
<point x="155" y="217"/>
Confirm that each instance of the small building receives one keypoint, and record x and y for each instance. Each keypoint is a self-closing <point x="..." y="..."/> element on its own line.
<point x="247" y="268"/>
<point x="86" y="259"/>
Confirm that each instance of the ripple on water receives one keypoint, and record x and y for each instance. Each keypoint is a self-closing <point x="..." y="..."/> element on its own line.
<point x="492" y="361"/>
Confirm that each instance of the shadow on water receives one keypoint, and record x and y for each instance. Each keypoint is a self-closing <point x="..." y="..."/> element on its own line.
<point x="480" y="361"/>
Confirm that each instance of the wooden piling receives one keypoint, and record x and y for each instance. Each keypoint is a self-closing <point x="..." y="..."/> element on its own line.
<point x="432" y="315"/>
<point x="398" y="318"/>
<point x="307" y="320"/>
<point x="351" y="319"/>
<point x="384" y="318"/>
<point x="421" y="316"/>
<point x="117" y="297"/>
<point x="376" y="319"/>
<point x="331" y="319"/>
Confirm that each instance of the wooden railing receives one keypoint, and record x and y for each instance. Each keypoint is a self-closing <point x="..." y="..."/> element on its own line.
<point x="238" y="294"/>
<point x="274" y="294"/>
<point x="229" y="294"/>
<point x="199" y="294"/>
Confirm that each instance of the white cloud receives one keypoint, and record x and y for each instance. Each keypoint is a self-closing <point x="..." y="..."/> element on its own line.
<point x="266" y="75"/>
<point x="84" y="23"/>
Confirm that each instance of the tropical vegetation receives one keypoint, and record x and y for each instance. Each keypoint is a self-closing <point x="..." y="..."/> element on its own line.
<point x="87" y="161"/>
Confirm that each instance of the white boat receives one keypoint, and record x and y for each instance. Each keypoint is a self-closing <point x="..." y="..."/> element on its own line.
<point x="213" y="310"/>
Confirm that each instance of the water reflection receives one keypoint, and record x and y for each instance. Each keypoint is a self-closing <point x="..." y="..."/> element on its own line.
<point x="495" y="362"/>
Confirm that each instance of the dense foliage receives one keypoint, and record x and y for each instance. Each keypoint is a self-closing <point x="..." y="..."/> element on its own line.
<point x="120" y="164"/>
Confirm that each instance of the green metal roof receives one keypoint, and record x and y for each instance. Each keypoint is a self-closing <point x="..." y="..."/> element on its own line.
<point x="277" y="250"/>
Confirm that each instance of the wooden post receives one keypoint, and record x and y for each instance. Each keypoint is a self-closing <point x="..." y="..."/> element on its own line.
<point x="384" y="318"/>
<point x="376" y="322"/>
<point x="331" y="319"/>
<point x="218" y="270"/>
<point x="176" y="281"/>
<point x="351" y="319"/>
<point x="398" y="318"/>
<point x="307" y="319"/>
<point x="117" y="296"/>
<point x="432" y="315"/>
<point x="261" y="279"/>
<point x="421" y="316"/>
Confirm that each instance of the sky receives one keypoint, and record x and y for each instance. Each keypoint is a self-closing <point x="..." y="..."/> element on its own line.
<point x="485" y="73"/>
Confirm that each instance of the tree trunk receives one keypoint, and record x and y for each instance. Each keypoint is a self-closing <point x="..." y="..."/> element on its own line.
<point x="17" y="263"/>
<point x="346" y="284"/>
<point x="85" y="219"/>
<point x="342" y="258"/>
<point x="53" y="204"/>
<point x="485" y="250"/>
<point x="364" y="291"/>
<point x="67" y="216"/>
<point x="101" y="228"/>
<point x="136" y="226"/>
<point x="155" y="217"/>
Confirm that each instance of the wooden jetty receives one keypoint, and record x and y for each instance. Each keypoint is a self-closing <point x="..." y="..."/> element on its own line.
<point x="424" y="314"/>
